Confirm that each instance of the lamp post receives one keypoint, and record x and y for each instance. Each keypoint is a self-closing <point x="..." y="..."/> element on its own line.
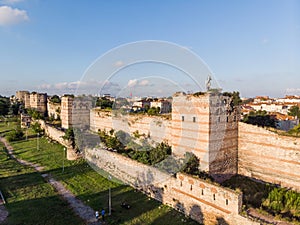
<point x="63" y="162"/>
<point x="109" y="197"/>
<point x="37" y="142"/>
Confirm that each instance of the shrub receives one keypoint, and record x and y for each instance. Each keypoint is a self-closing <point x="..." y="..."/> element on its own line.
<point x="15" y="135"/>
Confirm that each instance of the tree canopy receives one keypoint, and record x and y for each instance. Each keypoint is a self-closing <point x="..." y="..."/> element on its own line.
<point x="4" y="105"/>
<point x="55" y="99"/>
<point x="104" y="103"/>
<point x="294" y="111"/>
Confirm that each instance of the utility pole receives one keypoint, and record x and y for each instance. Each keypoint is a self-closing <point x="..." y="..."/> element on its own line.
<point x="37" y="142"/>
<point x="63" y="163"/>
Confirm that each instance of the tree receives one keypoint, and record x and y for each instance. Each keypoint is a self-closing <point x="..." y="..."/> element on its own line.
<point x="260" y="118"/>
<point x="36" y="127"/>
<point x="191" y="164"/>
<point x="69" y="135"/>
<point x="295" y="130"/>
<point x="294" y="111"/>
<point x="15" y="135"/>
<point x="235" y="97"/>
<point x="34" y="114"/>
<point x="159" y="153"/>
<point x="104" y="103"/>
<point x="4" y="105"/>
<point x="55" y="99"/>
<point x="15" y="108"/>
<point x="153" y="111"/>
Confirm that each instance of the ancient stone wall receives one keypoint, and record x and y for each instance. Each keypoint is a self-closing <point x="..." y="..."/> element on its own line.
<point x="223" y="137"/>
<point x="57" y="135"/>
<point x="75" y="112"/>
<point x="38" y="101"/>
<point x="156" y="127"/>
<point x="20" y="95"/>
<point x="268" y="156"/>
<point x="66" y="111"/>
<point x="206" y="124"/>
<point x="53" y="109"/>
<point x="205" y="202"/>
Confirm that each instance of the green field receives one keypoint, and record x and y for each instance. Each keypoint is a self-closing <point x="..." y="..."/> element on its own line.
<point x="83" y="181"/>
<point x="30" y="200"/>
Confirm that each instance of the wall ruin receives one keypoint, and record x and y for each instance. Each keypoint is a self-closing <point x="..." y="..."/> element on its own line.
<point x="268" y="156"/>
<point x="205" y="202"/>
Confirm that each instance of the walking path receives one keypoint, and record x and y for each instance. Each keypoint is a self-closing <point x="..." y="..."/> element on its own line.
<point x="3" y="213"/>
<point x="83" y="211"/>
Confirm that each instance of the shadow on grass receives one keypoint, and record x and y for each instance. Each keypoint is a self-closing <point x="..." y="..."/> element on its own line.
<point x="47" y="210"/>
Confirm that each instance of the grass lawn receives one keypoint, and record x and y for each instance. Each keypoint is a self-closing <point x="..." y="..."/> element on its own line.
<point x="92" y="188"/>
<point x="30" y="200"/>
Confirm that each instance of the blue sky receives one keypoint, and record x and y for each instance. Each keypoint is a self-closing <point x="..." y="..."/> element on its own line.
<point x="251" y="46"/>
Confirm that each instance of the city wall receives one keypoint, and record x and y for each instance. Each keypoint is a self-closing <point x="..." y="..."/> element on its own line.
<point x="268" y="156"/>
<point x="53" y="109"/>
<point x="57" y="135"/>
<point x="205" y="202"/>
<point x="156" y="127"/>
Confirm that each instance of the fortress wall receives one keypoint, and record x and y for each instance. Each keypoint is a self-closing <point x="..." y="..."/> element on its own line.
<point x="158" y="128"/>
<point x="38" y="101"/>
<point x="268" y="156"/>
<point x="53" y="109"/>
<point x="190" y="126"/>
<point x="53" y="133"/>
<point x="223" y="146"/>
<point x="56" y="135"/>
<point x="205" y="202"/>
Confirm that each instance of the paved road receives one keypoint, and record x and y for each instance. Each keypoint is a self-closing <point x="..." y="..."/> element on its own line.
<point x="83" y="211"/>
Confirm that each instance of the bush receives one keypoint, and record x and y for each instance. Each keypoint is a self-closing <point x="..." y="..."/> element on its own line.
<point x="36" y="127"/>
<point x="15" y="135"/>
<point x="191" y="164"/>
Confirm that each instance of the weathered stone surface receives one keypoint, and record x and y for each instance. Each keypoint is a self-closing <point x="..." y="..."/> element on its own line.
<point x="268" y="156"/>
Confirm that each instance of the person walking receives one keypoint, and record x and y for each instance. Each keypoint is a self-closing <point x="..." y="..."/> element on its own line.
<point x="97" y="215"/>
<point x="103" y="214"/>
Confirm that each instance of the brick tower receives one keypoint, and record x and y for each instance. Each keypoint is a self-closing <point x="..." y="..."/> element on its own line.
<point x="206" y="124"/>
<point x="38" y="101"/>
<point x="75" y="111"/>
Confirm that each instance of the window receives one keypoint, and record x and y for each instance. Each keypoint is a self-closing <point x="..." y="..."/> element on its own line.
<point x="202" y="192"/>
<point x="214" y="196"/>
<point x="226" y="201"/>
<point x="227" y="119"/>
<point x="191" y="187"/>
<point x="182" y="118"/>
<point x="180" y="183"/>
<point x="219" y="119"/>
<point x="194" y="119"/>
<point x="234" y="118"/>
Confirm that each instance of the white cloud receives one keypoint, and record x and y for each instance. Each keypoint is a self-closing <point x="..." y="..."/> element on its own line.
<point x="11" y="16"/>
<point x="119" y="63"/>
<point x="144" y="83"/>
<point x="83" y="87"/>
<point x="135" y="82"/>
<point x="10" y="2"/>
<point x="132" y="83"/>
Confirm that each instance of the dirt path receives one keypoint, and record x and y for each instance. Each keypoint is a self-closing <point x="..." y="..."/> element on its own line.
<point x="3" y="213"/>
<point x="83" y="211"/>
<point x="266" y="218"/>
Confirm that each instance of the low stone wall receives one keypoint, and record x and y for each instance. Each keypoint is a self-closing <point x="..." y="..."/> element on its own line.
<point x="205" y="202"/>
<point x="57" y="135"/>
<point x="268" y="156"/>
